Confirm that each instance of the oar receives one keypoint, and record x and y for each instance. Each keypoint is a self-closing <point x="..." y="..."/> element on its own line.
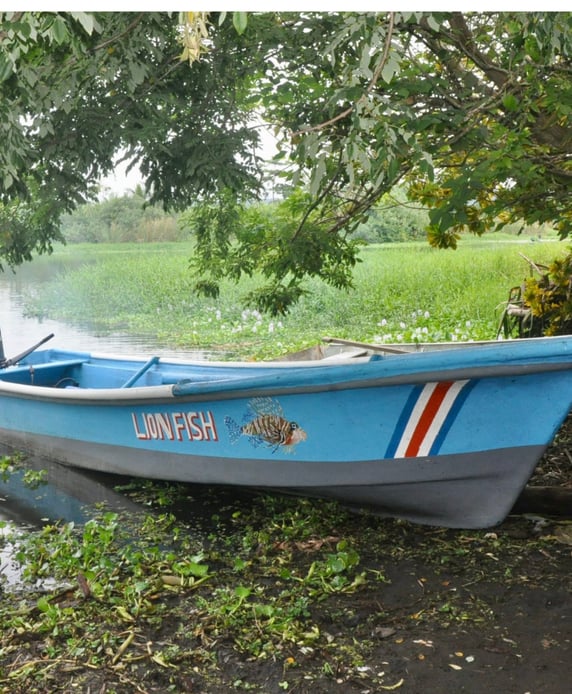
<point x="365" y="345"/>
<point x="14" y="360"/>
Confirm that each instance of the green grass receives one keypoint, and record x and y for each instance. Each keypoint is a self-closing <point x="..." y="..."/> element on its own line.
<point x="402" y="292"/>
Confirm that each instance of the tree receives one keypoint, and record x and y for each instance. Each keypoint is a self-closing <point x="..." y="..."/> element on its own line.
<point x="469" y="111"/>
<point x="77" y="89"/>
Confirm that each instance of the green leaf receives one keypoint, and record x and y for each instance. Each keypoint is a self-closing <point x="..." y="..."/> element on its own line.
<point x="240" y="21"/>
<point x="433" y="23"/>
<point x="6" y="69"/>
<point x="198" y="570"/>
<point x="138" y="73"/>
<point x="242" y="592"/>
<point x="390" y="69"/>
<point x="86" y="19"/>
<point x="43" y="604"/>
<point x="532" y="48"/>
<point x="59" y="30"/>
<point x="365" y="60"/>
<point x="336" y="564"/>
<point x="510" y="102"/>
<point x="317" y="175"/>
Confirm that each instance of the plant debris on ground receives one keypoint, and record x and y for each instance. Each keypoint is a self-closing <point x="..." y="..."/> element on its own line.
<point x="274" y="594"/>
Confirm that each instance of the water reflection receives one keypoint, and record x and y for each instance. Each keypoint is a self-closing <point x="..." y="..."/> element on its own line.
<point x="20" y="332"/>
<point x="70" y="495"/>
<point x="58" y="494"/>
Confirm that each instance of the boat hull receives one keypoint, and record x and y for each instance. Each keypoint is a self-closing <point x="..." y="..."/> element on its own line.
<point x="447" y="438"/>
<point x="470" y="490"/>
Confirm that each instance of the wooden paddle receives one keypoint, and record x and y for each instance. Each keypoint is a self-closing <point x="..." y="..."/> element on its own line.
<point x="365" y="345"/>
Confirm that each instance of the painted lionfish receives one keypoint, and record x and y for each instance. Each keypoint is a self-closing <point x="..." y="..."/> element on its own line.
<point x="265" y="423"/>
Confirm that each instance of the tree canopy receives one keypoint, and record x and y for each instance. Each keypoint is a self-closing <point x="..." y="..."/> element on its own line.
<point x="469" y="111"/>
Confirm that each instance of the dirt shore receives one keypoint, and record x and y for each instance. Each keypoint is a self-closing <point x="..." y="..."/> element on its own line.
<point x="414" y="609"/>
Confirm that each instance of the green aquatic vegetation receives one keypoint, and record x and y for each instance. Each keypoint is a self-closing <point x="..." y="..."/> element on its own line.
<point x="402" y="292"/>
<point x="146" y="600"/>
<point x="35" y="478"/>
<point x="6" y="467"/>
<point x="124" y="569"/>
<point x="9" y="463"/>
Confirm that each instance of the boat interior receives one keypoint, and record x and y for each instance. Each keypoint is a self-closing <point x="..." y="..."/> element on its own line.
<point x="74" y="373"/>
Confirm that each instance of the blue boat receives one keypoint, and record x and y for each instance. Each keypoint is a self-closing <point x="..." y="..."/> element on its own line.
<point x="443" y="435"/>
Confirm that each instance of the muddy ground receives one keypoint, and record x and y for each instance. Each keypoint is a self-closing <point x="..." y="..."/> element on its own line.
<point x="451" y="611"/>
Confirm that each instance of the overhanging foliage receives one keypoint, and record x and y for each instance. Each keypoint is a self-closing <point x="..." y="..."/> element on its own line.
<point x="470" y="110"/>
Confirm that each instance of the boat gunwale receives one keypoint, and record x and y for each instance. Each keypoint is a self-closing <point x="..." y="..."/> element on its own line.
<point x="274" y="383"/>
<point x="407" y="348"/>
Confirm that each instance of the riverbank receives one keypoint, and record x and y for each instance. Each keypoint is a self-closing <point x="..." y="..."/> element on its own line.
<point x="403" y="293"/>
<point x="273" y="594"/>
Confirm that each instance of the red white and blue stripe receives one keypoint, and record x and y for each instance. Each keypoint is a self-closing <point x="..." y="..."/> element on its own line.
<point x="426" y="419"/>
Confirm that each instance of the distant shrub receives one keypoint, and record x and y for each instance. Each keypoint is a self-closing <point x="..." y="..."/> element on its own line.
<point x="120" y="220"/>
<point x="394" y="219"/>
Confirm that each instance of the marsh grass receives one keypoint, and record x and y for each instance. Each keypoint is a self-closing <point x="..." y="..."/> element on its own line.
<point x="402" y="292"/>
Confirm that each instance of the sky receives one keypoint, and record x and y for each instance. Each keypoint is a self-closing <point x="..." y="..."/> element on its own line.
<point x="120" y="181"/>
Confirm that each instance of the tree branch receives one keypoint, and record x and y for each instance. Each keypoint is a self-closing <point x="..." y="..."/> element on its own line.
<point x="119" y="36"/>
<point x="370" y="86"/>
<point x="465" y="41"/>
<point x="317" y="201"/>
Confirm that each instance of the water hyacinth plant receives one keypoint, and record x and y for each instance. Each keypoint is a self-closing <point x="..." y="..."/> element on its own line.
<point x="402" y="292"/>
<point x="420" y="329"/>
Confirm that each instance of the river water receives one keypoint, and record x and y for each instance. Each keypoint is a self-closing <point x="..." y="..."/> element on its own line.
<point x="67" y="495"/>
<point x="20" y="332"/>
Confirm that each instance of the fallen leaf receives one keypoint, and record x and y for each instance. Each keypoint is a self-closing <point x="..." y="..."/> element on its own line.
<point x="157" y="658"/>
<point x="84" y="585"/>
<point x="169" y="580"/>
<point x="122" y="612"/>
<point x="563" y="534"/>
<point x="123" y="647"/>
<point x="392" y="686"/>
